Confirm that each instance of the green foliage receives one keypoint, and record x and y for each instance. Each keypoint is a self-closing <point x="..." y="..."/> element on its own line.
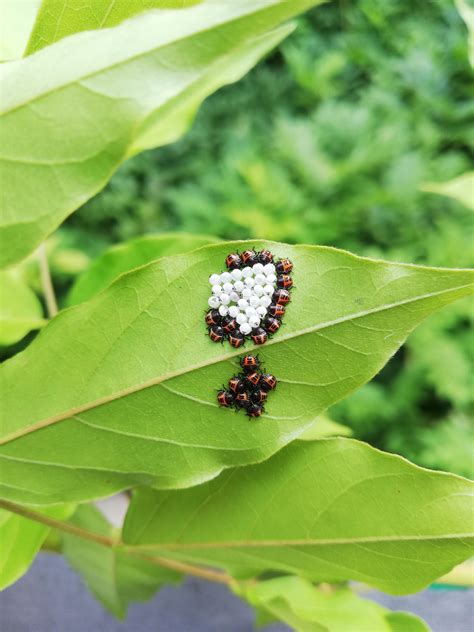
<point x="20" y="309"/>
<point x="106" y="429"/>
<point x="355" y="514"/>
<point x="115" y="578"/>
<point x="330" y="141"/>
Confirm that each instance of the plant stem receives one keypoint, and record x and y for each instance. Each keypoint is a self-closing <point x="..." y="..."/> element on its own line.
<point x="66" y="527"/>
<point x="46" y="282"/>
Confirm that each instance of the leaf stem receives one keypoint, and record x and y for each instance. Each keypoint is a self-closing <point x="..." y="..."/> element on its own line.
<point x="46" y="282"/>
<point x="66" y="527"/>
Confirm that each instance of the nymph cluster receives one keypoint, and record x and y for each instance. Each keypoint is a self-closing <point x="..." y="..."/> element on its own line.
<point x="249" y="300"/>
<point x="248" y="390"/>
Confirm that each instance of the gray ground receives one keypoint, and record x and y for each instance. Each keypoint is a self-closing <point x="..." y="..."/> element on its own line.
<point x="52" y="598"/>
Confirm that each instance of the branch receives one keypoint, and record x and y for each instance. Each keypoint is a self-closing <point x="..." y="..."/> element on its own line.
<point x="46" y="282"/>
<point x="66" y="527"/>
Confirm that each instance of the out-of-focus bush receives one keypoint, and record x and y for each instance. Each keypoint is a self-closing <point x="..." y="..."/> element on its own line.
<point x="329" y="142"/>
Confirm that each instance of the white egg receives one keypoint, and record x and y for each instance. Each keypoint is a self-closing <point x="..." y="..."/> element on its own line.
<point x="234" y="311"/>
<point x="223" y="310"/>
<point x="265" y="301"/>
<point x="213" y="302"/>
<point x="269" y="289"/>
<point x="254" y="321"/>
<point x="234" y="297"/>
<point x="214" y="279"/>
<point x="257" y="290"/>
<point x="224" y="298"/>
<point x="247" y="293"/>
<point x="271" y="278"/>
<point x="249" y="281"/>
<point x="236" y="274"/>
<point x="216" y="289"/>
<point x="257" y="268"/>
<point x="241" y="318"/>
<point x="261" y="311"/>
<point x="269" y="269"/>
<point x="250" y="311"/>
<point x="243" y="304"/>
<point x="226" y="278"/>
<point x="227" y="287"/>
<point x="260" y="279"/>
<point x="238" y="286"/>
<point x="247" y="272"/>
<point x="254" y="301"/>
<point x="245" y="329"/>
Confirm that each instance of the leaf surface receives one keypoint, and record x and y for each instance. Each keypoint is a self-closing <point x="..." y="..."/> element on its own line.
<point x="20" y="309"/>
<point x="21" y="539"/>
<point x="113" y="93"/>
<point x="460" y="189"/>
<point x="297" y="602"/>
<point x="115" y="578"/>
<point x="132" y="254"/>
<point x="16" y="22"/>
<point x="322" y="427"/>
<point x="355" y="514"/>
<point x="130" y="394"/>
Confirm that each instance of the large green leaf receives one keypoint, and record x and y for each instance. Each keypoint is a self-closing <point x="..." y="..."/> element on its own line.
<point x="20" y="309"/>
<point x="131" y="383"/>
<point x="21" y="539"/>
<point x="307" y="609"/>
<point x="59" y="18"/>
<point x="125" y="257"/>
<point x="330" y="510"/>
<point x="115" y="578"/>
<point x="74" y="111"/>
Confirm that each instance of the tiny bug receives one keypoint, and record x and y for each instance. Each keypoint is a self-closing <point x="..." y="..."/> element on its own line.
<point x="242" y="399"/>
<point x="233" y="261"/>
<point x="258" y="396"/>
<point x="272" y="325"/>
<point x="284" y="266"/>
<point x="249" y="363"/>
<point x="276" y="310"/>
<point x="236" y="385"/>
<point x="225" y="398"/>
<point x="236" y="339"/>
<point x="253" y="378"/>
<point x="265" y="256"/>
<point x="249" y="257"/>
<point x="259" y="336"/>
<point x="229" y="324"/>
<point x="216" y="333"/>
<point x="282" y="297"/>
<point x="268" y="382"/>
<point x="213" y="318"/>
<point x="255" y="410"/>
<point x="284" y="281"/>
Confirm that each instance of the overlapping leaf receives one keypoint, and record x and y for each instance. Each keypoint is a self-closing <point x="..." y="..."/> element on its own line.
<point x="74" y="111"/>
<point x="331" y="510"/>
<point x="120" y="391"/>
<point x="20" y="309"/>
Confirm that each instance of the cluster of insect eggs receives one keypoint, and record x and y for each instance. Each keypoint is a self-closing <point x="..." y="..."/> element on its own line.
<point x="249" y="299"/>
<point x="248" y="390"/>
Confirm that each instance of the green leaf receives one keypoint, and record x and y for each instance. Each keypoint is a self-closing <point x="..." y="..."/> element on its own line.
<point x="331" y="510"/>
<point x="20" y="309"/>
<point x="132" y="254"/>
<point x="74" y="111"/>
<point x="16" y="21"/>
<point x="115" y="578"/>
<point x="323" y="426"/>
<point x="130" y="394"/>
<point x="467" y="13"/>
<point x="60" y="18"/>
<point x="21" y="539"/>
<point x="460" y="189"/>
<point x="297" y="602"/>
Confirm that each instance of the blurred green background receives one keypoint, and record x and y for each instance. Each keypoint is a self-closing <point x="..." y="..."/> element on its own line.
<point x="328" y="142"/>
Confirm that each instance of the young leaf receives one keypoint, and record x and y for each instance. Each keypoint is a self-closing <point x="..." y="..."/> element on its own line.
<point x="21" y="539"/>
<point x="60" y="18"/>
<point x="115" y="578"/>
<point x="130" y="394"/>
<point x="74" y="111"/>
<point x="297" y="602"/>
<point x="460" y="189"/>
<point x="132" y="254"/>
<point x="331" y="510"/>
<point x="16" y="22"/>
<point x="20" y="309"/>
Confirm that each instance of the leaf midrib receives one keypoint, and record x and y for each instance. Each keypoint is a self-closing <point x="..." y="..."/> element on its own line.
<point x="168" y="376"/>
